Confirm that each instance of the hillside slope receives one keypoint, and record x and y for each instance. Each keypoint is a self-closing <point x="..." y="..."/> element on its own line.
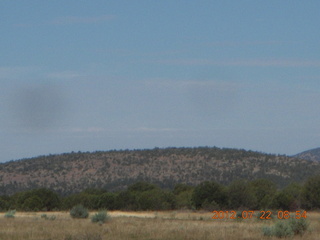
<point x="311" y="155"/>
<point x="73" y="172"/>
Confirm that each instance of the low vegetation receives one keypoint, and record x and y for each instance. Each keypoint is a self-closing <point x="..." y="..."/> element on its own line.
<point x="150" y="225"/>
<point x="287" y="228"/>
<point x="209" y="195"/>
<point x="79" y="211"/>
<point x="100" y="217"/>
<point x="10" y="214"/>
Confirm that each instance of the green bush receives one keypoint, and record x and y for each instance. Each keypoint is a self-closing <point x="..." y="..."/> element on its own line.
<point x="100" y="217"/>
<point x="282" y="229"/>
<point x="10" y="214"/>
<point x="299" y="226"/>
<point x="52" y="217"/>
<point x="79" y="211"/>
<point x="287" y="228"/>
<point x="267" y="231"/>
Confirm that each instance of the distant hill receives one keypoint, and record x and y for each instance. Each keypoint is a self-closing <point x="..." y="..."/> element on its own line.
<point x="73" y="172"/>
<point x="311" y="155"/>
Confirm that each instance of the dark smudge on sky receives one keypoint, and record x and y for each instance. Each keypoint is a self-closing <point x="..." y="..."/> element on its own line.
<point x="38" y="107"/>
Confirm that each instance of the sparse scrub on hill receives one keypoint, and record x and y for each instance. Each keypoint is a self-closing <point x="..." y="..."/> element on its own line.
<point x="79" y="211"/>
<point x="68" y="173"/>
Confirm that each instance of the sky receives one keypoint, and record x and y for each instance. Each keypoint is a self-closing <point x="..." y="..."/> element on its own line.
<point x="102" y="75"/>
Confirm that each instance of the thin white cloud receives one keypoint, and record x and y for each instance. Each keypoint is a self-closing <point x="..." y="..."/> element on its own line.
<point x="81" y="20"/>
<point x="173" y="83"/>
<point x="64" y="75"/>
<point x="150" y="129"/>
<point x="68" y="20"/>
<point x="245" y="43"/>
<point x="244" y="63"/>
<point x="87" y="130"/>
<point x="15" y="72"/>
<point x="96" y="130"/>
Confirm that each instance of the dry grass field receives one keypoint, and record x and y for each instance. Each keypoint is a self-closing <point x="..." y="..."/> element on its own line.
<point x="171" y="225"/>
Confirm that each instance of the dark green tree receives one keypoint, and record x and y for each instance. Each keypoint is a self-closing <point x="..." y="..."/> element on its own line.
<point x="32" y="204"/>
<point x="282" y="200"/>
<point x="127" y="200"/>
<point x="94" y="191"/>
<point x="180" y="187"/>
<point x="289" y="198"/>
<point x="241" y="195"/>
<point x="38" y="199"/>
<point x="311" y="193"/>
<point x="50" y="200"/>
<point x="107" y="201"/>
<point x="89" y="201"/>
<point x="141" y="187"/>
<point x="209" y="193"/>
<point x="183" y="196"/>
<point x="264" y="191"/>
<point x="5" y="202"/>
<point x="156" y="199"/>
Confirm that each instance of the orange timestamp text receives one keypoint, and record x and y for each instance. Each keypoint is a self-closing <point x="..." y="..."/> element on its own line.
<point x="266" y="215"/>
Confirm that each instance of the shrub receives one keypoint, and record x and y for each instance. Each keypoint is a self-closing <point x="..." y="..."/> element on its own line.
<point x="282" y="229"/>
<point x="100" y="217"/>
<point x="267" y="231"/>
<point x="79" y="211"/>
<point x="10" y="214"/>
<point x="52" y="217"/>
<point x="287" y="228"/>
<point x="299" y="226"/>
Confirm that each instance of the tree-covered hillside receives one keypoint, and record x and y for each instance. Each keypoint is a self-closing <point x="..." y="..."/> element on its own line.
<point x="312" y="155"/>
<point x="113" y="170"/>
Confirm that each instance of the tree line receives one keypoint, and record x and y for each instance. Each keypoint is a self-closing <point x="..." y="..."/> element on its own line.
<point x="241" y="194"/>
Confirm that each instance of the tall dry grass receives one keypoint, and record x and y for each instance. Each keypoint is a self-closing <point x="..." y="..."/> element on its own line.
<point x="171" y="225"/>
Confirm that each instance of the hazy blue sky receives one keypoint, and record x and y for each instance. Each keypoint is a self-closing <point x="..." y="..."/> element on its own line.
<point x="100" y="75"/>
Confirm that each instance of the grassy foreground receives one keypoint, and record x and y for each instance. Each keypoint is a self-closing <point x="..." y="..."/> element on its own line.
<point x="172" y="225"/>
